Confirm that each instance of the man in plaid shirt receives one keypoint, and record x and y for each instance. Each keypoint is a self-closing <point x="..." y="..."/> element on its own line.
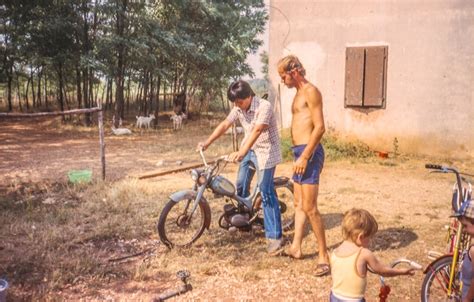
<point x="260" y="147"/>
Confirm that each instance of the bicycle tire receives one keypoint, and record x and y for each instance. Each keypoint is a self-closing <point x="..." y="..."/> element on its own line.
<point x="435" y="283"/>
<point x="168" y="234"/>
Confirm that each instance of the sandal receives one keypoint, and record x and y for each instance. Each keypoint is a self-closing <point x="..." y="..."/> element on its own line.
<point x="322" y="269"/>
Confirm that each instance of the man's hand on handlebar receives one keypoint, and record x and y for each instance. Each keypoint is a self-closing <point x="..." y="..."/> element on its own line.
<point x="235" y="157"/>
<point x="201" y="146"/>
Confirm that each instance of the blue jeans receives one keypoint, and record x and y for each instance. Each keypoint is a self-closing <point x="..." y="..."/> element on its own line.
<point x="271" y="207"/>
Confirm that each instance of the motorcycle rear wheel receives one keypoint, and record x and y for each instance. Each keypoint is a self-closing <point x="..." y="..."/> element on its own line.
<point x="286" y="200"/>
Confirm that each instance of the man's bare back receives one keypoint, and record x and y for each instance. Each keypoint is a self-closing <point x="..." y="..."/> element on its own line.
<point x="302" y="124"/>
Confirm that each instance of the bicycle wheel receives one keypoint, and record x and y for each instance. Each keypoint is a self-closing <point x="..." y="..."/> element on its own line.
<point x="435" y="283"/>
<point x="286" y="199"/>
<point x="176" y="228"/>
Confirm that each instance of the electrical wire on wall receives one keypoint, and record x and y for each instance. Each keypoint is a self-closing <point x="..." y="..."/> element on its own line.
<point x="289" y="26"/>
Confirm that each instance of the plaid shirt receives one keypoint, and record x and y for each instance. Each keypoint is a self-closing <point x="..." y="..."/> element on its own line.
<point x="267" y="145"/>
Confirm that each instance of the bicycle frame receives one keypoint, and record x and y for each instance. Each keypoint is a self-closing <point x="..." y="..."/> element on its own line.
<point x="455" y="259"/>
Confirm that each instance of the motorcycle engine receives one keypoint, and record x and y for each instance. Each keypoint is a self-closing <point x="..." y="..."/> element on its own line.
<point x="234" y="217"/>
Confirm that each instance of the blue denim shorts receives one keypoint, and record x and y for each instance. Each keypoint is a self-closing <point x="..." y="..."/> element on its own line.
<point x="314" y="167"/>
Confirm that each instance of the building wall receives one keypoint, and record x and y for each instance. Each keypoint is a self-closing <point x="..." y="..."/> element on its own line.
<point x="430" y="70"/>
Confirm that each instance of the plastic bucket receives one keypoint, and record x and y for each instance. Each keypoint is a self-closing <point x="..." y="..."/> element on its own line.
<point x="79" y="176"/>
<point x="3" y="290"/>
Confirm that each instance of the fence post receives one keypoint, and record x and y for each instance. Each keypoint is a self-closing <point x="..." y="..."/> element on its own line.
<point x="101" y="139"/>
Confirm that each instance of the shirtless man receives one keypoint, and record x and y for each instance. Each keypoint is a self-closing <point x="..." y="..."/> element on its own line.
<point x="307" y="128"/>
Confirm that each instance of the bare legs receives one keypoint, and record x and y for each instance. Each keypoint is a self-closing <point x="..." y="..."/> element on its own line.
<point x="306" y="206"/>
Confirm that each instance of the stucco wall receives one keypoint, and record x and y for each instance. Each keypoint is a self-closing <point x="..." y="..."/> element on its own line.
<point x="430" y="73"/>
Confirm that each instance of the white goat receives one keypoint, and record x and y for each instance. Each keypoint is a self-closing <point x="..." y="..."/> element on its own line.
<point x="145" y="121"/>
<point x="177" y="121"/>
<point x="121" y="131"/>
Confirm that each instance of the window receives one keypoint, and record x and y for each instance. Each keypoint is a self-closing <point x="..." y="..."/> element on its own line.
<point x="366" y="76"/>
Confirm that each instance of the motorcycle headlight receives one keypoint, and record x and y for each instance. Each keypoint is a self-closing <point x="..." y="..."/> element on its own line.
<point x="194" y="175"/>
<point x="202" y="179"/>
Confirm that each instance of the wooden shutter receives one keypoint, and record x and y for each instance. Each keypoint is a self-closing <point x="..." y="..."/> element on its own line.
<point x="375" y="73"/>
<point x="354" y="76"/>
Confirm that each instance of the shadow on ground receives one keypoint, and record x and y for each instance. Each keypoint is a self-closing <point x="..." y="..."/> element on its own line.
<point x="393" y="238"/>
<point x="332" y="220"/>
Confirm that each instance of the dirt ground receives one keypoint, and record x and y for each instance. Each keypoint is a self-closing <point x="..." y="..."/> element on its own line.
<point x="411" y="206"/>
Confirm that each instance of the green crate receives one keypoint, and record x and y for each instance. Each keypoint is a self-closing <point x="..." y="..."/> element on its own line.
<point x="79" y="176"/>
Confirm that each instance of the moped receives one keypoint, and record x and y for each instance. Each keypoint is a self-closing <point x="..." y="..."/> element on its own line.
<point x="187" y="214"/>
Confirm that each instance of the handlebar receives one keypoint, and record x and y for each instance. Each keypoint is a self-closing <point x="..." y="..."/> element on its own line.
<point x="459" y="180"/>
<point x="434" y="167"/>
<point x="220" y="158"/>
<point x="398" y="261"/>
<point x="411" y="263"/>
<point x="201" y="152"/>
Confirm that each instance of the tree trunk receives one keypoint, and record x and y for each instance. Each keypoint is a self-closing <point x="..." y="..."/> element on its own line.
<point x="164" y="95"/>
<point x="26" y="94"/>
<point x="78" y="87"/>
<point x="9" y="88"/>
<point x="33" y="94"/>
<point x="46" y="92"/>
<point x="128" y="95"/>
<point x="38" y="90"/>
<point x="91" y="88"/>
<point x="18" y="91"/>
<point x="61" y="84"/>
<point x="157" y="109"/>
<point x="119" y="78"/>
<point x="85" y="94"/>
<point x="145" y="93"/>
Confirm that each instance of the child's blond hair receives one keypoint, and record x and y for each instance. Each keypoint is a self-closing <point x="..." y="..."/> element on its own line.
<point x="358" y="222"/>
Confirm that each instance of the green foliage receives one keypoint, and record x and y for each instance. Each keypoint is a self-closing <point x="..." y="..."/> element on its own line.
<point x="193" y="45"/>
<point x="285" y="144"/>
<point x="264" y="60"/>
<point x="259" y="86"/>
<point x="334" y="148"/>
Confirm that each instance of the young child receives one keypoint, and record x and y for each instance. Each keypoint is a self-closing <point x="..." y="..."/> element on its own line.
<point x="466" y="217"/>
<point x="350" y="260"/>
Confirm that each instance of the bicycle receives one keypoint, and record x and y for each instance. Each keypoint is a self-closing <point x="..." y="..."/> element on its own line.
<point x="187" y="214"/>
<point x="442" y="280"/>
<point x="385" y="288"/>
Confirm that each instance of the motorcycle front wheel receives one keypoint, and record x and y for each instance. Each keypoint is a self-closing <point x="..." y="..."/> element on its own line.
<point x="177" y="227"/>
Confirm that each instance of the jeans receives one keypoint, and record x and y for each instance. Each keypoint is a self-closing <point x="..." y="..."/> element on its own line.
<point x="271" y="207"/>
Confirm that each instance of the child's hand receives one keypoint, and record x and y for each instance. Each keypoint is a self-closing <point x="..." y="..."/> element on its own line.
<point x="408" y="271"/>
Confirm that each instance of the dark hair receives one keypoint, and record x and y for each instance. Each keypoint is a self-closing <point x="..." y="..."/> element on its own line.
<point x="239" y="90"/>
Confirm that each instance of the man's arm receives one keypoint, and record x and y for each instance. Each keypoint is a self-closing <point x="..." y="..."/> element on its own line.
<point x="257" y="130"/>
<point x="315" y="107"/>
<point x="220" y="129"/>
